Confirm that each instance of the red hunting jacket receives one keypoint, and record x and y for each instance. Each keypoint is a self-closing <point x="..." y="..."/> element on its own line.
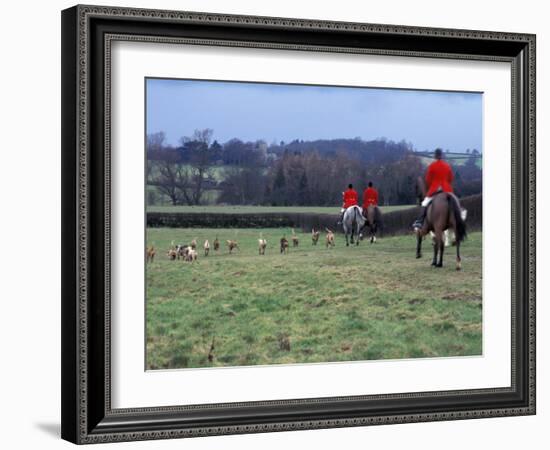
<point x="439" y="175"/>
<point x="350" y="198"/>
<point x="370" y="197"/>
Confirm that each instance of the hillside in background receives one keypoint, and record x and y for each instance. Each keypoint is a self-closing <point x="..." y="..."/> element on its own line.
<point x="203" y="171"/>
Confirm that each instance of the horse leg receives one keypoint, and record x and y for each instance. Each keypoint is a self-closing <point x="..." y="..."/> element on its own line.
<point x="441" y="250"/>
<point x="436" y="241"/>
<point x="358" y="234"/>
<point x="418" y="246"/>
<point x="347" y="240"/>
<point x="458" y="260"/>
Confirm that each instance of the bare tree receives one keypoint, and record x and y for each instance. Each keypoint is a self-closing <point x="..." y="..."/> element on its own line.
<point x="172" y="179"/>
<point x="155" y="141"/>
<point x="200" y="157"/>
<point x="243" y="186"/>
<point x="154" y="148"/>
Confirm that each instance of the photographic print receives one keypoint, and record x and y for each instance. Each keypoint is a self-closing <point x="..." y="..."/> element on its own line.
<point x="298" y="199"/>
<point x="292" y="224"/>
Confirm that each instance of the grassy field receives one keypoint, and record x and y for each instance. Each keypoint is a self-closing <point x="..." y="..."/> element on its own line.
<point x="311" y="305"/>
<point x="232" y="209"/>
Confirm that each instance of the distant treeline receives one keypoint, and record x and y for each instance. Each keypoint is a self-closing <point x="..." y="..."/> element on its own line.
<point x="295" y="173"/>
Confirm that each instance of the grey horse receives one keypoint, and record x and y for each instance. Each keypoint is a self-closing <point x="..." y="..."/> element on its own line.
<point x="352" y="223"/>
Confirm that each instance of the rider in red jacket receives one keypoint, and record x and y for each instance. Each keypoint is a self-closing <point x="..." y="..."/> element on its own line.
<point x="370" y="196"/>
<point x="350" y="198"/>
<point x="439" y="177"/>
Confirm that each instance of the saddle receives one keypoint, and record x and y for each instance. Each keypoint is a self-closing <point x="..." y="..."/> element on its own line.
<point x="439" y="191"/>
<point x="353" y="206"/>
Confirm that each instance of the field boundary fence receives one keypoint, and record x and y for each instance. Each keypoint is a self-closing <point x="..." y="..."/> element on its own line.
<point x="394" y="222"/>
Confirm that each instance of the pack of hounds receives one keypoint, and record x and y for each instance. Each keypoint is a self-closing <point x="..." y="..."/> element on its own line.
<point x="189" y="252"/>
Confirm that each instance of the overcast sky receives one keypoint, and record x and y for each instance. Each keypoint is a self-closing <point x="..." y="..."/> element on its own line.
<point x="275" y="112"/>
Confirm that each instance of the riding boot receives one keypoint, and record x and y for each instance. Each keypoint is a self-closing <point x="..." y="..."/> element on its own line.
<point x="418" y="223"/>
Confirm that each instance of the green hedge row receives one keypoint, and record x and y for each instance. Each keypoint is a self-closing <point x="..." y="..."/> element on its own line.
<point x="395" y="222"/>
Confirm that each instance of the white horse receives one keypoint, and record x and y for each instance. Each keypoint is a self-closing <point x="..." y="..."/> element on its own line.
<point x="352" y="223"/>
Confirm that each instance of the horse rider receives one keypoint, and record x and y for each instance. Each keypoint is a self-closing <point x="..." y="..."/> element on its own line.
<point x="439" y="178"/>
<point x="350" y="198"/>
<point x="370" y="197"/>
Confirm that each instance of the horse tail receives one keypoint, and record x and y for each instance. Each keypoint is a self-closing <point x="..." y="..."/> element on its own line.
<point x="460" y="223"/>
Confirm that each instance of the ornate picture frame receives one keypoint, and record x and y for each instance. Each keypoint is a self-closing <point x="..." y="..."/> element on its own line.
<point x="87" y="35"/>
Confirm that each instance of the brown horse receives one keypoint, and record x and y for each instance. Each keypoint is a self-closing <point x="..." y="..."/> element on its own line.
<point x="443" y="213"/>
<point x="374" y="221"/>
